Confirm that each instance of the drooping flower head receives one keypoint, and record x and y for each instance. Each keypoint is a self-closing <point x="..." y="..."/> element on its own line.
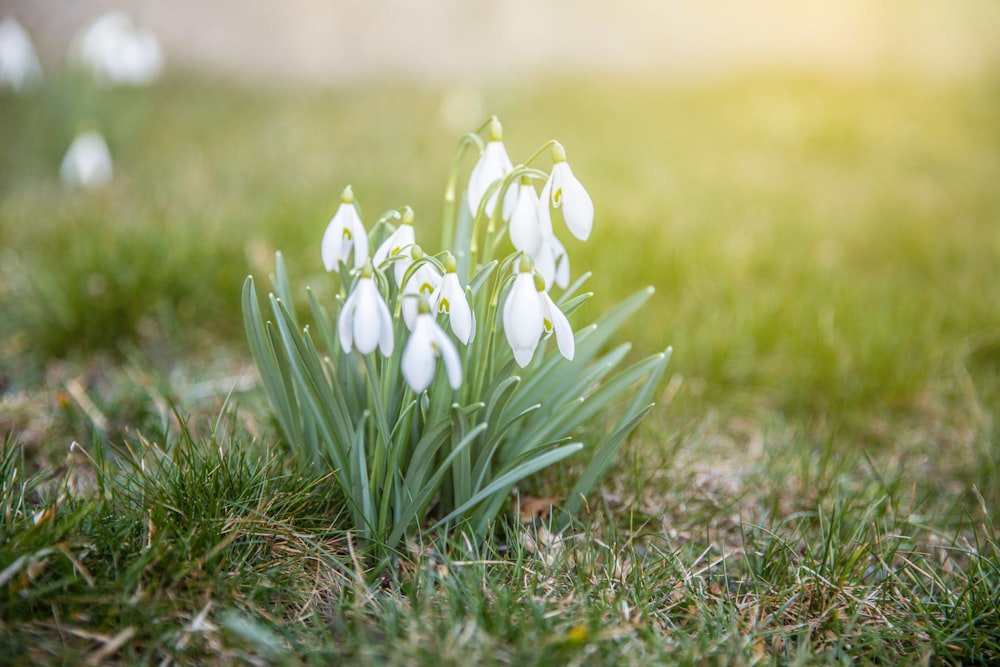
<point x="493" y="165"/>
<point x="424" y="280"/>
<point x="398" y="246"/>
<point x="563" y="190"/>
<point x="343" y="234"/>
<point x="449" y="298"/>
<point x="530" y="314"/>
<point x="428" y="342"/>
<point x="523" y="319"/>
<point x="365" y="322"/>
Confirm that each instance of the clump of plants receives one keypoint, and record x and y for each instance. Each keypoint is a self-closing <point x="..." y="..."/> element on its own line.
<point x="438" y="380"/>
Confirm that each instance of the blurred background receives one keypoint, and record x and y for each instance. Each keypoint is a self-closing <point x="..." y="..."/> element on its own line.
<point x="811" y="186"/>
<point x="452" y="40"/>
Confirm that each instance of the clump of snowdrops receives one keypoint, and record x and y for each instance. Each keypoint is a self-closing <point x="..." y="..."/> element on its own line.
<point x="437" y="381"/>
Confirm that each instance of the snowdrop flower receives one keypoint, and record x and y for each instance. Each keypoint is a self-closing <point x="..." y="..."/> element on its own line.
<point x="428" y="342"/>
<point x="399" y="244"/>
<point x="117" y="52"/>
<point x="529" y="314"/>
<point x="552" y="262"/>
<point x="525" y="230"/>
<point x="423" y="281"/>
<point x="365" y="322"/>
<point x="562" y="189"/>
<point x="523" y="318"/>
<point x="493" y="165"/>
<point x="19" y="66"/>
<point x="87" y="162"/>
<point x="343" y="233"/>
<point x="450" y="298"/>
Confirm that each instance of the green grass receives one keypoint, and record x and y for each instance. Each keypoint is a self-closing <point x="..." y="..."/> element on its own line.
<point x="818" y="484"/>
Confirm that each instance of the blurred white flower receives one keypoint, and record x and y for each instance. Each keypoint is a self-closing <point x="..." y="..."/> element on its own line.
<point x="552" y="262"/>
<point x="87" y="162"/>
<point x="562" y="189"/>
<point x="365" y="322"/>
<point x="428" y="342"/>
<point x="450" y="298"/>
<point x="19" y="66"/>
<point x="493" y="165"/>
<point x="116" y="52"/>
<point x="399" y="245"/>
<point x="344" y="233"/>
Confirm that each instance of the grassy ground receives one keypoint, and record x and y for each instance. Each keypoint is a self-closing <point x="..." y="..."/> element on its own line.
<point x="818" y="484"/>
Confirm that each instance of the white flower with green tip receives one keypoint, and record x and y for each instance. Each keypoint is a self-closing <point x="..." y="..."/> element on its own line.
<point x="449" y="298"/>
<point x="365" y="322"/>
<point x="343" y="234"/>
<point x="493" y="165"/>
<point x="424" y="280"/>
<point x="554" y="321"/>
<point x="428" y="342"/>
<point x="523" y="318"/>
<point x="563" y="190"/>
<point x="398" y="246"/>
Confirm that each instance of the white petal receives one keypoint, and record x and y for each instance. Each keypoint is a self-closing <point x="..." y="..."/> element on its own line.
<point x="493" y="164"/>
<point x="562" y="262"/>
<point x="523" y="355"/>
<point x="330" y="248"/>
<point x="418" y="357"/>
<point x="525" y="232"/>
<point x="367" y="318"/>
<point x="449" y="355"/>
<point x="544" y="217"/>
<point x="568" y="192"/>
<point x="345" y="323"/>
<point x="359" y="237"/>
<point x="450" y="297"/>
<point x="385" y="332"/>
<point x="561" y="327"/>
<point x="545" y="262"/>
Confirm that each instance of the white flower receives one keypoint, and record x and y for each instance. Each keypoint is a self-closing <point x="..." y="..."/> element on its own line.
<point x="117" y="52"/>
<point x="19" y="66"/>
<point x="492" y="166"/>
<point x="525" y="229"/>
<point x="428" y="342"/>
<point x="344" y="233"/>
<point x="424" y="280"/>
<point x="552" y="262"/>
<point x="365" y="322"/>
<point x="562" y="189"/>
<point x="450" y="298"/>
<point x="523" y="317"/>
<point x="399" y="245"/>
<point x="87" y="163"/>
<point x="529" y="313"/>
